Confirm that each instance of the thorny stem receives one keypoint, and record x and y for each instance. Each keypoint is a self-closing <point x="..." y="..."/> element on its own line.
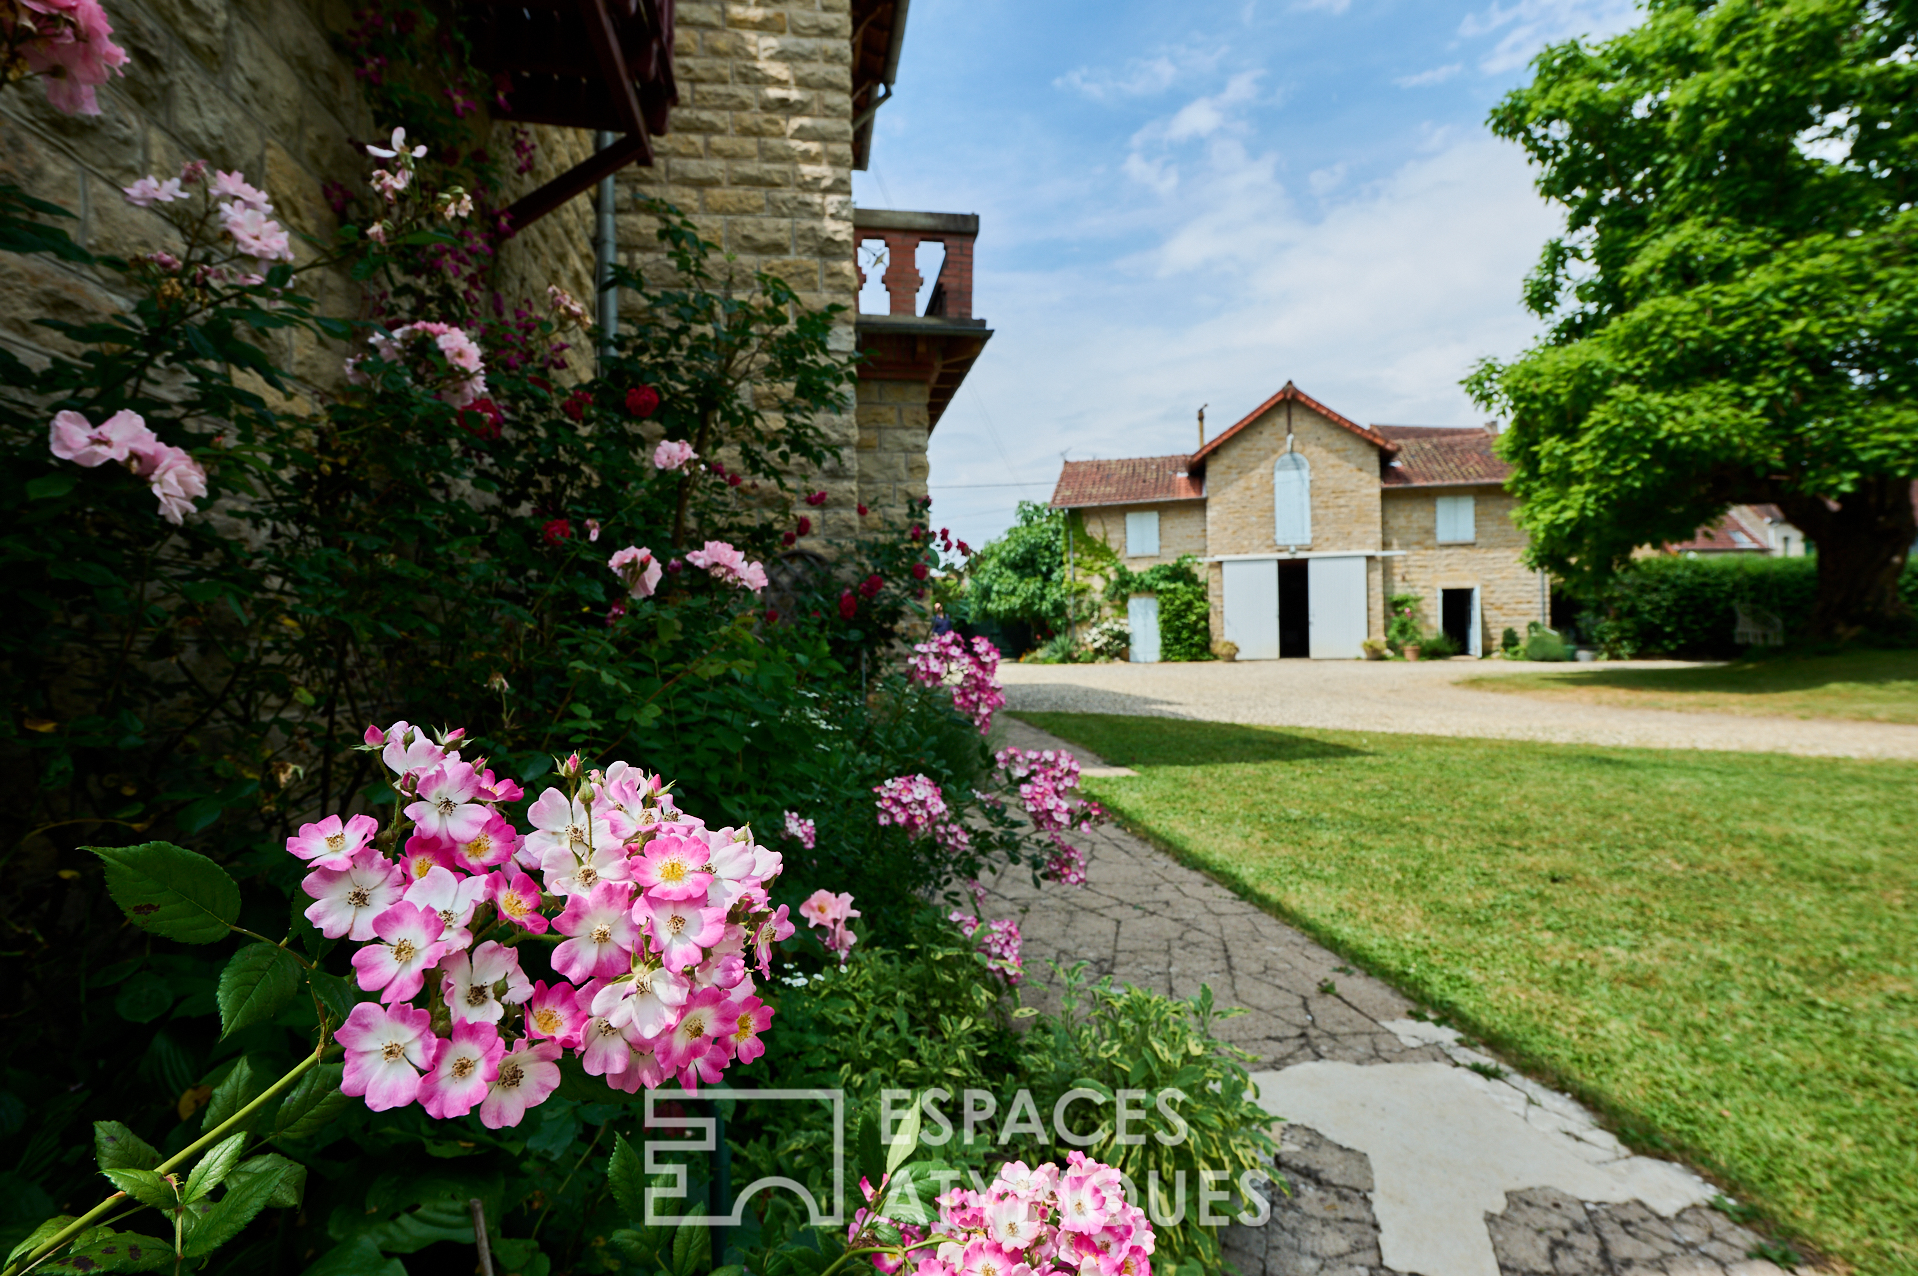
<point x="901" y="1250"/>
<point x="205" y="1141"/>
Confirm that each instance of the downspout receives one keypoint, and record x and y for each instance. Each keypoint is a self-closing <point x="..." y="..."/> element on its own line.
<point x="891" y="70"/>
<point x="605" y="252"/>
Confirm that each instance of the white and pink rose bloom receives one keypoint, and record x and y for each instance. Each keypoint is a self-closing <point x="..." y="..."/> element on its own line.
<point x="637" y="569"/>
<point x="722" y="562"/>
<point x="461" y="383"/>
<point x="663" y="925"/>
<point x="66" y="42"/>
<point x="970" y="670"/>
<point x="175" y="478"/>
<point x="831" y="914"/>
<point x="673" y="454"/>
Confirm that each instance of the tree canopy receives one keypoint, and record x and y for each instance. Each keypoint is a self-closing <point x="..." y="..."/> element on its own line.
<point x="1021" y="576"/>
<point x="1732" y="309"/>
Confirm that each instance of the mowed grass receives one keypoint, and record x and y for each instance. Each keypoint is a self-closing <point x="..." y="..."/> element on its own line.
<point x="1718" y="951"/>
<point x="1869" y="686"/>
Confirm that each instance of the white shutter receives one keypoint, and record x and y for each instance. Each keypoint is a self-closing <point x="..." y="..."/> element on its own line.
<point x="1291" y="501"/>
<point x="1142" y="534"/>
<point x="1456" y="524"/>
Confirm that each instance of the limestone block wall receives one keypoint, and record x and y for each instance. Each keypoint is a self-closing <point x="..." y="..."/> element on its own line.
<point x="760" y="157"/>
<point x="1508" y="591"/>
<point x="253" y="85"/>
<point x="1345" y="485"/>
<point x="1181" y="530"/>
<point x="891" y="457"/>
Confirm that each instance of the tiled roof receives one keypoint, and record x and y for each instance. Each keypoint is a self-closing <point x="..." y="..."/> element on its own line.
<point x="1729" y="534"/>
<point x="1126" y="482"/>
<point x="1292" y="392"/>
<point x="1434" y="456"/>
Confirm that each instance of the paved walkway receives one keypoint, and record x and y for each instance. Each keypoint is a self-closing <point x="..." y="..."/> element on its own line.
<point x="1420" y="699"/>
<point x="1400" y="1157"/>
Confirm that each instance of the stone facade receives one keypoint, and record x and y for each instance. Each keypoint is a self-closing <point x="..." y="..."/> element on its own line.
<point x="760" y="158"/>
<point x="1508" y="590"/>
<point x="252" y="85"/>
<point x="1373" y="492"/>
<point x="1181" y="530"/>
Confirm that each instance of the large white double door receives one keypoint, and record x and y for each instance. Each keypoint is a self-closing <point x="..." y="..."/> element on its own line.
<point x="1334" y="600"/>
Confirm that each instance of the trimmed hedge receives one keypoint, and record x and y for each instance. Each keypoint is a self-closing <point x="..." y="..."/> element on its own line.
<point x="1685" y="606"/>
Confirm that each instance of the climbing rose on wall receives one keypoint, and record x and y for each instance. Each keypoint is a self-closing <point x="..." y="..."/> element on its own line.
<point x="67" y="43"/>
<point x="174" y="476"/>
<point x="636" y="566"/>
<point x="641" y="401"/>
<point x="723" y="562"/>
<point x="673" y="454"/>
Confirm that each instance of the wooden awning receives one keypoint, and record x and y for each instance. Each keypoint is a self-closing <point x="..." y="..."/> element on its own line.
<point x="590" y="64"/>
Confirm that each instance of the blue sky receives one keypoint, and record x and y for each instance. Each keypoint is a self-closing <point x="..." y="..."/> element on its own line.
<point x="1191" y="202"/>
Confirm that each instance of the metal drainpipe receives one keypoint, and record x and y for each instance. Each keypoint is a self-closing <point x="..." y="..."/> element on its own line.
<point x="605" y="246"/>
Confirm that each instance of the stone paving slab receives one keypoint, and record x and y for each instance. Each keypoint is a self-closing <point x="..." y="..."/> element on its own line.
<point x="1475" y="1175"/>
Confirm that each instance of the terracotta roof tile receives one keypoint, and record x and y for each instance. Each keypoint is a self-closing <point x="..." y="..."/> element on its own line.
<point x="1292" y="392"/>
<point x="1730" y="534"/>
<point x="1126" y="482"/>
<point x="1433" y="456"/>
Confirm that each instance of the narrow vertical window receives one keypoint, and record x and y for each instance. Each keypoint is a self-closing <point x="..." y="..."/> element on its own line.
<point x="1142" y="534"/>
<point x="1456" y="524"/>
<point x="1292" y="500"/>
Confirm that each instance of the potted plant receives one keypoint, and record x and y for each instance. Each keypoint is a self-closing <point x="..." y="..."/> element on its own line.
<point x="1374" y="648"/>
<point x="1411" y="650"/>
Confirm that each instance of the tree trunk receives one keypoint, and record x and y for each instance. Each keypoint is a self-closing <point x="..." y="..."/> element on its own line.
<point x="1862" y="544"/>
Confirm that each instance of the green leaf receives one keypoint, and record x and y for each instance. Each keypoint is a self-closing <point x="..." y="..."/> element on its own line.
<point x="40" y="1236"/>
<point x="115" y="1252"/>
<point x="625" y="1174"/>
<point x="50" y="486"/>
<point x="144" y="998"/>
<point x="214" y="1166"/>
<point x="312" y="1103"/>
<point x="359" y="1256"/>
<point x="234" y="1211"/>
<point x="258" y="983"/>
<point x="144" y="1186"/>
<point x="291" y="1181"/>
<point x="117" y="1148"/>
<point x="334" y="993"/>
<point x="690" y="1255"/>
<point x="237" y="1089"/>
<point x="905" y="1140"/>
<point x="171" y="891"/>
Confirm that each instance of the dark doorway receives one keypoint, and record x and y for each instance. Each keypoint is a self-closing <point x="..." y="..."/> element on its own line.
<point x="1455" y="608"/>
<point x="1295" y="611"/>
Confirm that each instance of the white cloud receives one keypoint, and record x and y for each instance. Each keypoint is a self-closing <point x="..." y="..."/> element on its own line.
<point x="1376" y="301"/>
<point x="1530" y="25"/>
<point x="1333" y="7"/>
<point x="1200" y="119"/>
<point x="1424" y="79"/>
<point x="1324" y="181"/>
<point x="1141" y="77"/>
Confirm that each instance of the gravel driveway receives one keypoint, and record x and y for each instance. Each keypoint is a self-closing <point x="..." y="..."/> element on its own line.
<point x="1421" y="699"/>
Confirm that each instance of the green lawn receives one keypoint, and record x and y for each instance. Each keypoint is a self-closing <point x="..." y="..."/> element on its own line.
<point x="1871" y="686"/>
<point x="1718" y="951"/>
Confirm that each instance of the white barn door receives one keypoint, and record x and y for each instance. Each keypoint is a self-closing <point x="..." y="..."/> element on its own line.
<point x="1337" y="591"/>
<point x="1142" y="616"/>
<point x="1252" y="608"/>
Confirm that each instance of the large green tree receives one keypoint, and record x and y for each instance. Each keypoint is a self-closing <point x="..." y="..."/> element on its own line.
<point x="1021" y="576"/>
<point x="1733" y="306"/>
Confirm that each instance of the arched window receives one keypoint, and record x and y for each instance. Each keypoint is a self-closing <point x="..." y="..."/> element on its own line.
<point x="1292" y="500"/>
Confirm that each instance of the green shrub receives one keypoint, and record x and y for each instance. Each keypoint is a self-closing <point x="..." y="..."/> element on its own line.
<point x="1185" y="614"/>
<point x="1542" y="643"/>
<point x="1438" y="645"/>
<point x="1677" y="606"/>
<point x="1404" y="627"/>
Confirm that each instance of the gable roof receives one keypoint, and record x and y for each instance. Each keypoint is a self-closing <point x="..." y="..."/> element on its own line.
<point x="1730" y="534"/>
<point x="1292" y="392"/>
<point x="1129" y="481"/>
<point x="1434" y="456"/>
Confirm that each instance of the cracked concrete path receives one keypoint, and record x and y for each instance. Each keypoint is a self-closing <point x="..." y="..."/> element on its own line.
<point x="1402" y="1154"/>
<point x="1422" y="699"/>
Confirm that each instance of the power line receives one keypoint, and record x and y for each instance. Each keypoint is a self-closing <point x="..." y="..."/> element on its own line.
<point x="1039" y="483"/>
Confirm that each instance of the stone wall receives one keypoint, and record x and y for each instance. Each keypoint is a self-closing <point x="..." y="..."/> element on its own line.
<point x="891" y="457"/>
<point x="1345" y="485"/>
<point x="253" y="85"/>
<point x="760" y="157"/>
<point x="1181" y="530"/>
<point x="1508" y="591"/>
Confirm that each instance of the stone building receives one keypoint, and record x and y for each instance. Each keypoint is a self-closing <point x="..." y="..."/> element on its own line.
<point x="1308" y="523"/>
<point x="750" y="117"/>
